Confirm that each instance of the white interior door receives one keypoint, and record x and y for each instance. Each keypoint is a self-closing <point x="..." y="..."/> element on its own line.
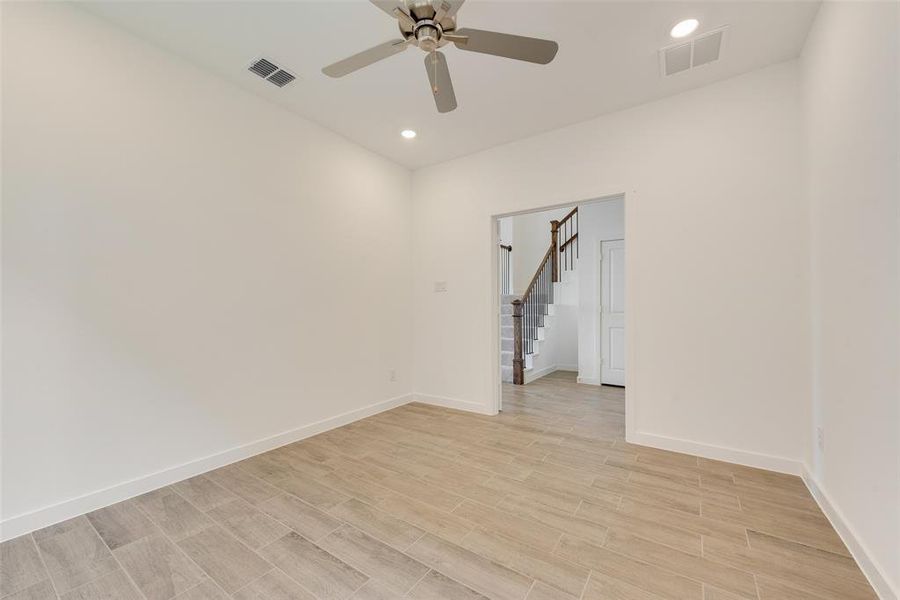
<point x="612" y="312"/>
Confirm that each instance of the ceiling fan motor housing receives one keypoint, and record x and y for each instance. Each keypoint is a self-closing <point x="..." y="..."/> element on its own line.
<point x="428" y="35"/>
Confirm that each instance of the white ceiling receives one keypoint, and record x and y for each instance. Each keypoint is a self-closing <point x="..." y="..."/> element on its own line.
<point x="607" y="61"/>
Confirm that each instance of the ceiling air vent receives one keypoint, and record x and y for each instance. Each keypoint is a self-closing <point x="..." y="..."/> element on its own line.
<point x="271" y="72"/>
<point x="683" y="56"/>
<point x="281" y="78"/>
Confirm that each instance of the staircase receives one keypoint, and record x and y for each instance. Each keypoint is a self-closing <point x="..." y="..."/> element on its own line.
<point x="523" y="319"/>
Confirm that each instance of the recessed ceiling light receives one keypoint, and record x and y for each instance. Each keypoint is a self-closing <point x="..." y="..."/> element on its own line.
<point x="408" y="134"/>
<point x="684" y="28"/>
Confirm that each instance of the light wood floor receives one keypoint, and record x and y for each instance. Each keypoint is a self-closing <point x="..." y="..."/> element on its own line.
<point x="544" y="501"/>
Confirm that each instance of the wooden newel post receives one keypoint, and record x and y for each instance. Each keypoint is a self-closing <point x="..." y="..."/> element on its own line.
<point x="518" y="364"/>
<point x="554" y="244"/>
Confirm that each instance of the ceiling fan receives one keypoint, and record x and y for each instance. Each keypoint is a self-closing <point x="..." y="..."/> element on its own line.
<point x="429" y="25"/>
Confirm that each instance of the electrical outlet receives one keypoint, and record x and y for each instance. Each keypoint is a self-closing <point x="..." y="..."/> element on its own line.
<point x="392" y="375"/>
<point x="820" y="438"/>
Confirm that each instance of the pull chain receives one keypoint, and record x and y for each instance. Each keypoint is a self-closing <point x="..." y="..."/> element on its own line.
<point x="434" y="88"/>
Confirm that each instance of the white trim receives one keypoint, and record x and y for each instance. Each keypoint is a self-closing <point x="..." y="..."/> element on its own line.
<point x="589" y="380"/>
<point x="49" y="515"/>
<point x="732" y="455"/>
<point x="455" y="403"/>
<point x="869" y="566"/>
<point x="532" y="375"/>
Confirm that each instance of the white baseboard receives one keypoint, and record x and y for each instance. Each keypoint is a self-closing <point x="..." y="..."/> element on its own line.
<point x="43" y="517"/>
<point x="732" y="455"/>
<point x="534" y="374"/>
<point x="870" y="567"/>
<point x="456" y="403"/>
<point x="589" y="380"/>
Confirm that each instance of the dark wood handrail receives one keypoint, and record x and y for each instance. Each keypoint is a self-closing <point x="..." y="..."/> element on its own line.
<point x="505" y="247"/>
<point x="568" y="242"/>
<point x="571" y="213"/>
<point x="537" y="273"/>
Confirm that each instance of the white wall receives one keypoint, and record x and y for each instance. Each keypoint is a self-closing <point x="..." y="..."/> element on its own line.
<point x="851" y="105"/>
<point x="718" y="257"/>
<point x="186" y="268"/>
<point x="597" y="222"/>
<point x="532" y="234"/>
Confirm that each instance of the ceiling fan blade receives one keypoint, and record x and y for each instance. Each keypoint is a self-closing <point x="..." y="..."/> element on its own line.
<point x="441" y="85"/>
<point x="509" y="46"/>
<point x="365" y="58"/>
<point x="445" y="8"/>
<point x="404" y="18"/>
<point x="387" y="6"/>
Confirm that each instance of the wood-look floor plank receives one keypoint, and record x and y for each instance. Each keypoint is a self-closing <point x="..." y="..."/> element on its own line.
<point x="374" y="558"/>
<point x="241" y="483"/>
<point x="121" y="524"/>
<point x="392" y="531"/>
<point x="305" y="519"/>
<point x="206" y="590"/>
<point x="636" y="572"/>
<point x="650" y="529"/>
<point x="801" y="526"/>
<point x="75" y="556"/>
<point x="157" y="567"/>
<point x="318" y="571"/>
<point x="426" y="517"/>
<point x="435" y="586"/>
<point x="114" y="585"/>
<point x="20" y="565"/>
<point x="555" y="518"/>
<point x="530" y="561"/>
<point x="517" y="527"/>
<point x="202" y="492"/>
<point x="602" y="587"/>
<point x="309" y="490"/>
<point x="700" y="525"/>
<point x="39" y="591"/>
<point x="227" y="561"/>
<point x="177" y="517"/>
<point x="470" y="569"/>
<point x="826" y="584"/>
<point x="541" y="591"/>
<point x="728" y="578"/>
<point x="247" y="523"/>
<point x="274" y="585"/>
<point x="375" y="590"/>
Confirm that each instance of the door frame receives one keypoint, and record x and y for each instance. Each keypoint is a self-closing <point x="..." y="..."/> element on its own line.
<point x="493" y="305"/>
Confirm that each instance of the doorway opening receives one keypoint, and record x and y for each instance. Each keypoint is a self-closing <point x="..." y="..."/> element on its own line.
<point x="561" y="294"/>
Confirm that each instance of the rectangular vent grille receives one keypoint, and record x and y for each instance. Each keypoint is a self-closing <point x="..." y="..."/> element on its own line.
<point x="684" y="56"/>
<point x="263" y="68"/>
<point x="281" y="78"/>
<point x="271" y="72"/>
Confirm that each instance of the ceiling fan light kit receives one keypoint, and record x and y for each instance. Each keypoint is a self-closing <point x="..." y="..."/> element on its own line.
<point x="430" y="25"/>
